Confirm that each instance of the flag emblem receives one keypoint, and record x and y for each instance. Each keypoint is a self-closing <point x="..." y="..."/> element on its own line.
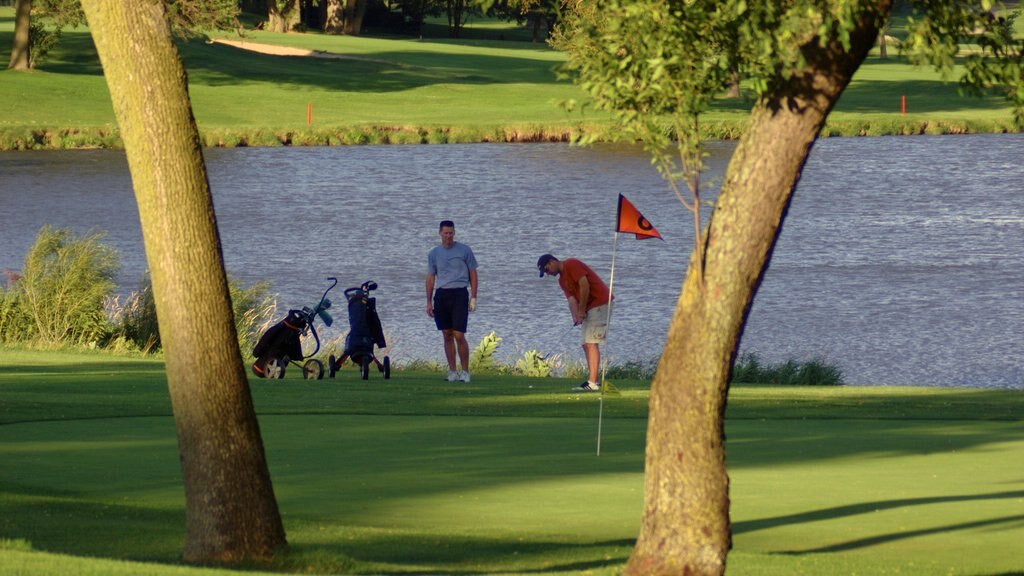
<point x="632" y="221"/>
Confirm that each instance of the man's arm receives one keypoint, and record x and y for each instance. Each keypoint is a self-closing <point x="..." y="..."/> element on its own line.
<point x="430" y="295"/>
<point x="584" y="297"/>
<point x="472" y="290"/>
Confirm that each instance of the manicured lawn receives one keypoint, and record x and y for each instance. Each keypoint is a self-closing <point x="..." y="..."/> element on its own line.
<point x="410" y="90"/>
<point x="416" y="475"/>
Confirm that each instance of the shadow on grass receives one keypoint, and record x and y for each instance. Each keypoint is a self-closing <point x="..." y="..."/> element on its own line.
<point x="872" y="507"/>
<point x="896" y="536"/>
<point x="222" y="65"/>
<point x="428" y="555"/>
<point x="58" y="524"/>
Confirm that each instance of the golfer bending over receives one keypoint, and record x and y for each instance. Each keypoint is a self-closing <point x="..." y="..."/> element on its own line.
<point x="451" y="268"/>
<point x="588" y="302"/>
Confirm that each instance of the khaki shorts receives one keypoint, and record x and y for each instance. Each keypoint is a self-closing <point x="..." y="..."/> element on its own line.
<point x="595" y="325"/>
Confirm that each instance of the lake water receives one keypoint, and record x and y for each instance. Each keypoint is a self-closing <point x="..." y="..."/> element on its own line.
<point x="900" y="260"/>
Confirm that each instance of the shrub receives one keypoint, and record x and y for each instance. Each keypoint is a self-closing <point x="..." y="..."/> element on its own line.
<point x="534" y="365"/>
<point x="65" y="283"/>
<point x="135" y="322"/>
<point x="254" y="310"/>
<point x="482" y="357"/>
<point x="136" y="327"/>
<point x="15" y="325"/>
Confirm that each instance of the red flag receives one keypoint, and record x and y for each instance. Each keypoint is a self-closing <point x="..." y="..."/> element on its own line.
<point x="632" y="221"/>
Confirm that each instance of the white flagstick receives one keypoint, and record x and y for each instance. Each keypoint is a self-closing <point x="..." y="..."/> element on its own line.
<point x="604" y="362"/>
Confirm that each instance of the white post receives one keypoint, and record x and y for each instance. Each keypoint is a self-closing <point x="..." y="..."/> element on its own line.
<point x="604" y="360"/>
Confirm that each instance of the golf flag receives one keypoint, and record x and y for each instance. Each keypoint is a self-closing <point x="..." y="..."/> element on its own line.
<point x="609" y="389"/>
<point x="631" y="220"/>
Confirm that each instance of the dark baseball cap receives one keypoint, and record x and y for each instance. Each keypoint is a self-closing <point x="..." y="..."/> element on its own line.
<point x="543" y="261"/>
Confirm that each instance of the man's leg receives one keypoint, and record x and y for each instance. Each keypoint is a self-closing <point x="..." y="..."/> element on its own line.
<point x="593" y="353"/>
<point x="449" y="347"/>
<point x="462" y="346"/>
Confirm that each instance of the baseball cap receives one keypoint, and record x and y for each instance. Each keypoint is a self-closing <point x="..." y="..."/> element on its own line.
<point x="543" y="261"/>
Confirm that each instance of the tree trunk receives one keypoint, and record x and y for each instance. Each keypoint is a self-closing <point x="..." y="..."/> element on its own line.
<point x="734" y="85"/>
<point x="685" y="527"/>
<point x="282" y="15"/>
<point x="231" y="512"/>
<point x="20" y="52"/>
<point x="334" y="22"/>
<point x="354" y="12"/>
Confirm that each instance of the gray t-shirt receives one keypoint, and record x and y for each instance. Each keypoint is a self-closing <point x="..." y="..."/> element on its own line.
<point x="451" y="266"/>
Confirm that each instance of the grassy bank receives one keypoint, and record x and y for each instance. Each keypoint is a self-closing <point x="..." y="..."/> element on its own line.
<point x="413" y="91"/>
<point x="415" y="475"/>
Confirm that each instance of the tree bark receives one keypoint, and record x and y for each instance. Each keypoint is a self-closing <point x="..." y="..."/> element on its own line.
<point x="685" y="527"/>
<point x="334" y="21"/>
<point x="354" y="12"/>
<point x="20" y="51"/>
<point x="231" y="511"/>
<point x="282" y="15"/>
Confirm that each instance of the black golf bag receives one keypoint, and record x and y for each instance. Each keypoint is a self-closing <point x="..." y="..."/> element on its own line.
<point x="365" y="332"/>
<point x="281" y="344"/>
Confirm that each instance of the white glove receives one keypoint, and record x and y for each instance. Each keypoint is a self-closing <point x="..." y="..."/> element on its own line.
<point x="472" y="304"/>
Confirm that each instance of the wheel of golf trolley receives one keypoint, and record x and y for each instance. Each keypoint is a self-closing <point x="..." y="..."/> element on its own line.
<point x="275" y="368"/>
<point x="387" y="367"/>
<point x="313" y="370"/>
<point x="364" y="367"/>
<point x="332" y="369"/>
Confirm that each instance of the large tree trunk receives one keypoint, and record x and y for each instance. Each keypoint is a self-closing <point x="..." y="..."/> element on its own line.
<point x="345" y="17"/>
<point x="282" y="15"/>
<point x="334" y="20"/>
<point x="354" y="12"/>
<point x="20" y="54"/>
<point x="231" y="511"/>
<point x="685" y="527"/>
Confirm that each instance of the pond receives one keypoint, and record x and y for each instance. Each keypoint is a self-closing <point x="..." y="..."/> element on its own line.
<point x="899" y="261"/>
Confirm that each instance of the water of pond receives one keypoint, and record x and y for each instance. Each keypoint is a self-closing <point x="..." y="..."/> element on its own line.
<point x="900" y="259"/>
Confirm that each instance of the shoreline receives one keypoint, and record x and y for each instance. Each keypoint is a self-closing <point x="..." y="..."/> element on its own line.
<point x="108" y="137"/>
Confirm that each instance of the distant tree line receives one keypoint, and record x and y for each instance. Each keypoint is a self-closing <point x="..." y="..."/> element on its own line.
<point x="404" y="17"/>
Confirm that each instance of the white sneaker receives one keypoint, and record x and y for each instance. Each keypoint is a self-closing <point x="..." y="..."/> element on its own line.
<point x="453" y="376"/>
<point x="464" y="376"/>
<point x="588" y="387"/>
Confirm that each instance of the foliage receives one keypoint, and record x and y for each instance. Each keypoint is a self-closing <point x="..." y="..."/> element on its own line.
<point x="643" y="369"/>
<point x="482" y="357"/>
<point x="15" y="324"/>
<point x="936" y="30"/>
<point x="254" y="310"/>
<point x="134" y="322"/>
<point x="41" y="40"/>
<point x="534" y="365"/>
<point x="749" y="369"/>
<point x="65" y="282"/>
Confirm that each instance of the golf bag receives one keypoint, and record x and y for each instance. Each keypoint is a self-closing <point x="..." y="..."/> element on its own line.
<point x="365" y="332"/>
<point x="281" y="344"/>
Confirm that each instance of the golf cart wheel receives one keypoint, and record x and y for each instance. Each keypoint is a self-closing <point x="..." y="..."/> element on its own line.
<point x="387" y="367"/>
<point x="313" y="370"/>
<point x="275" y="368"/>
<point x="364" y="367"/>
<point x="332" y="367"/>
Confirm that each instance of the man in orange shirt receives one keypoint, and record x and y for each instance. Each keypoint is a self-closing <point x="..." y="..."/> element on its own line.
<point x="589" y="305"/>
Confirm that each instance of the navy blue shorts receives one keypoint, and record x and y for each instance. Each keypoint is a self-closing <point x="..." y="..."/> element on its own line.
<point x="451" y="309"/>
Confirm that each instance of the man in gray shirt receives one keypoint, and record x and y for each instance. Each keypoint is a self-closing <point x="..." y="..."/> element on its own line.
<point x="451" y="269"/>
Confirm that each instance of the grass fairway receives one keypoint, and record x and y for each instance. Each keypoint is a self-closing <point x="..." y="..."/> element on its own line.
<point x="418" y="476"/>
<point x="387" y="90"/>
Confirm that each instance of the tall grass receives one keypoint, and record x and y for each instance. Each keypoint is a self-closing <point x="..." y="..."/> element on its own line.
<point x="64" y="285"/>
<point x="750" y="369"/>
